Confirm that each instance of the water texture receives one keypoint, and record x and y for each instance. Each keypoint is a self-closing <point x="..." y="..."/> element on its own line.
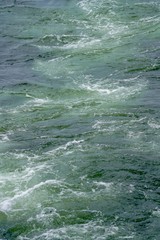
<point x="79" y="120"/>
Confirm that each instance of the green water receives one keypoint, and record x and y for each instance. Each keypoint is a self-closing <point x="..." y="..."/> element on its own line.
<point x="79" y="120"/>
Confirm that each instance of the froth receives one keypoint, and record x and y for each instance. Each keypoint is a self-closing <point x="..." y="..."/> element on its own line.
<point x="4" y="138"/>
<point x="7" y="204"/>
<point x="93" y="230"/>
<point x="153" y="124"/>
<point x="67" y="146"/>
<point x="113" y="91"/>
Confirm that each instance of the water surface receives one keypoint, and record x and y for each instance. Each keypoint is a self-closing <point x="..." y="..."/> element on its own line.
<point x="79" y="114"/>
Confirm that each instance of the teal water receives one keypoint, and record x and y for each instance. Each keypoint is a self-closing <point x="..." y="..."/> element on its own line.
<point x="79" y="120"/>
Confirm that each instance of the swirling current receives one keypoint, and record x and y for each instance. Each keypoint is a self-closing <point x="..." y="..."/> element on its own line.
<point x="79" y="120"/>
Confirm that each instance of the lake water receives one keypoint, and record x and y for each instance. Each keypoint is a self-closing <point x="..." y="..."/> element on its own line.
<point x="79" y="120"/>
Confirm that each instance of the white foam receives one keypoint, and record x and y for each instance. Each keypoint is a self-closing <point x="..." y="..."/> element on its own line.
<point x="83" y="43"/>
<point x="126" y="237"/>
<point x="54" y="68"/>
<point x="98" y="124"/>
<point x="156" y="212"/>
<point x="48" y="213"/>
<point x="7" y="204"/>
<point x="18" y="184"/>
<point x="112" y="92"/>
<point x="4" y="138"/>
<point x="112" y="188"/>
<point x="91" y="230"/>
<point x="96" y="87"/>
<point x="30" y="104"/>
<point x="45" y="48"/>
<point x="104" y="185"/>
<point x="108" y="126"/>
<point x="40" y="101"/>
<point x="66" y="146"/>
<point x="154" y="124"/>
<point x="91" y="5"/>
<point x="102" y="24"/>
<point x="135" y="135"/>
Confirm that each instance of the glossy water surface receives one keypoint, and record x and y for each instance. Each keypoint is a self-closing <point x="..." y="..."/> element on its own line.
<point x="79" y="120"/>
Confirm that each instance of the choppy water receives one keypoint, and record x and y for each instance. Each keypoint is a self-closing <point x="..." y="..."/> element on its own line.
<point x="80" y="120"/>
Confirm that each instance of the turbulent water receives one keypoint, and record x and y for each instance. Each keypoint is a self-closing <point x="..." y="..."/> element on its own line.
<point x="79" y="120"/>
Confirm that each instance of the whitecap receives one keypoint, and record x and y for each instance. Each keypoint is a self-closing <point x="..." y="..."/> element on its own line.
<point x="113" y="91"/>
<point x="83" y="44"/>
<point x="30" y="104"/>
<point x="39" y="101"/>
<point x="126" y="237"/>
<point x="66" y="146"/>
<point x="103" y="185"/>
<point x="6" y="205"/>
<point x="93" y="230"/>
<point x="96" y="87"/>
<point x="135" y="135"/>
<point x="47" y="214"/>
<point x="156" y="212"/>
<point x="154" y="124"/>
<point x="4" y="138"/>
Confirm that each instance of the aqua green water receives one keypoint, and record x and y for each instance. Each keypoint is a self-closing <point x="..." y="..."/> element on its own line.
<point x="79" y="120"/>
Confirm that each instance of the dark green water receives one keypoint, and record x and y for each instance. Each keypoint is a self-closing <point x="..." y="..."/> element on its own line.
<point x="80" y="120"/>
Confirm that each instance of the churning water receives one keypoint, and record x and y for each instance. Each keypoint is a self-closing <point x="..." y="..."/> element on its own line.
<point x="79" y="120"/>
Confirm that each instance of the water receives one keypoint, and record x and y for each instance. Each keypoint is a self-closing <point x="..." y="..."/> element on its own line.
<point x="80" y="120"/>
